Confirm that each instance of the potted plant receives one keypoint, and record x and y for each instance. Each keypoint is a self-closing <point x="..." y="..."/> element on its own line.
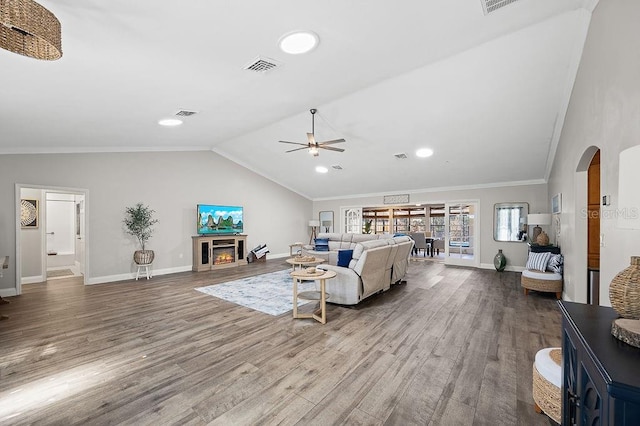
<point x="138" y="222"/>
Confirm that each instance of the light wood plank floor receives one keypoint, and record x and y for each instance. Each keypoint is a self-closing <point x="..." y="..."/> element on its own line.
<point x="452" y="346"/>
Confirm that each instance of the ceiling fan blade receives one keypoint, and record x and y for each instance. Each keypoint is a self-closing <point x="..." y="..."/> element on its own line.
<point x="295" y="143"/>
<point x="331" y="142"/>
<point x="330" y="148"/>
<point x="297" y="149"/>
<point x="312" y="140"/>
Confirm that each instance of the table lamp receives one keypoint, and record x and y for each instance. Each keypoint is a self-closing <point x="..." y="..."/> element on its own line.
<point x="538" y="219"/>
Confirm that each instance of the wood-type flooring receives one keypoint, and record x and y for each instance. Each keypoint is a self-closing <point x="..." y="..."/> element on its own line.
<point x="452" y="346"/>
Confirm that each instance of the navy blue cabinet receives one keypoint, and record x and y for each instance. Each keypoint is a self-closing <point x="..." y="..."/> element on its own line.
<point x="601" y="375"/>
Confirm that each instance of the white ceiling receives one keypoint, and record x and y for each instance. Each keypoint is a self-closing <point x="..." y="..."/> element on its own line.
<point x="487" y="93"/>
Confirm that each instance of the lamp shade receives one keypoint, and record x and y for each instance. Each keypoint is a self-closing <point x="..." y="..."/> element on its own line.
<point x="314" y="223"/>
<point x="539" y="219"/>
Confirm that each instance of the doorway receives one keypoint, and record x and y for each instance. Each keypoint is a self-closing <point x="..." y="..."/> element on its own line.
<point x="461" y="230"/>
<point x="55" y="238"/>
<point x="593" y="229"/>
<point x="64" y="243"/>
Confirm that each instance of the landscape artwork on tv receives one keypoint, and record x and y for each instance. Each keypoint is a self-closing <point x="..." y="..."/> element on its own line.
<point x="217" y="219"/>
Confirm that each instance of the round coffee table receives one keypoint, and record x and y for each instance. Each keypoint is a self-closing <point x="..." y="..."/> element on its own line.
<point x="301" y="262"/>
<point x="319" y="314"/>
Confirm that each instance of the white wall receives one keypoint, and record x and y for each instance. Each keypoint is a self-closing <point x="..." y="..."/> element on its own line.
<point x="172" y="183"/>
<point x="604" y="112"/>
<point x="515" y="252"/>
<point x="31" y="240"/>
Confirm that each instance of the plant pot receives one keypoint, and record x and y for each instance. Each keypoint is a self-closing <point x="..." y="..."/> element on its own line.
<point x="143" y="257"/>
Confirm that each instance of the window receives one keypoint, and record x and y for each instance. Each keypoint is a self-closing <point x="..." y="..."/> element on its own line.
<point x="436" y="222"/>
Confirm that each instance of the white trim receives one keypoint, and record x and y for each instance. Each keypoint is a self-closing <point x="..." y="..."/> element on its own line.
<point x="32" y="280"/>
<point x="132" y="275"/>
<point x="8" y="292"/>
<point x="439" y="189"/>
<point x="100" y="149"/>
<point x="508" y="268"/>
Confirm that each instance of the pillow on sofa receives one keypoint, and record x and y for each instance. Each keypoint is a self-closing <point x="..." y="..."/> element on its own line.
<point x="322" y="244"/>
<point x="344" y="257"/>
<point x="538" y="261"/>
<point x="556" y="264"/>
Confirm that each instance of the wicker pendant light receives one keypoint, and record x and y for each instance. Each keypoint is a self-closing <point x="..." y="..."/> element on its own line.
<point x="29" y="29"/>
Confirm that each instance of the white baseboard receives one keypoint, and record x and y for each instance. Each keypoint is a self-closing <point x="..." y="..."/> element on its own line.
<point x="32" y="280"/>
<point x="132" y="275"/>
<point x="8" y="292"/>
<point x="508" y="268"/>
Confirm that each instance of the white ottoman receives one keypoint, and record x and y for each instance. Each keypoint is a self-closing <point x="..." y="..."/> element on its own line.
<point x="547" y="382"/>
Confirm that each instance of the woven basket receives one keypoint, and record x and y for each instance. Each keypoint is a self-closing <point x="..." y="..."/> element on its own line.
<point x="624" y="291"/>
<point x="143" y="257"/>
<point x="545" y="394"/>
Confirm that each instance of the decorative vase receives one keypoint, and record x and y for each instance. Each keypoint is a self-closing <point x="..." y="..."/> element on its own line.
<point x="543" y="239"/>
<point x="499" y="261"/>
<point x="143" y="257"/>
<point x="624" y="291"/>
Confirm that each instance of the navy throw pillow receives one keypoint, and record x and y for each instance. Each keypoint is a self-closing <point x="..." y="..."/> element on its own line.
<point x="344" y="257"/>
<point x="322" y="244"/>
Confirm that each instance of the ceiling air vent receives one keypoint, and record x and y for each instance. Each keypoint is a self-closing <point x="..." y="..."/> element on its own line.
<point x="489" y="6"/>
<point x="400" y="156"/>
<point x="185" y="113"/>
<point x="261" y="65"/>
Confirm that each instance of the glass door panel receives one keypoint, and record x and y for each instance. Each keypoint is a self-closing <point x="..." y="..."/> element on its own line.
<point x="461" y="234"/>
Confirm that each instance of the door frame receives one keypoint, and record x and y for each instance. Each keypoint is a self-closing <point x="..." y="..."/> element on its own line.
<point x="49" y="188"/>
<point x="448" y="260"/>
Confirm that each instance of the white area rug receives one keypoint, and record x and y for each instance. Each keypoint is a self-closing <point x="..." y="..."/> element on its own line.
<point x="269" y="293"/>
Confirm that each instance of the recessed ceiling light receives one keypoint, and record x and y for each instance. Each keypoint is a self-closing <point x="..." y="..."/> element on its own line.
<point x="424" y="152"/>
<point x="170" y="122"/>
<point x="321" y="169"/>
<point x="298" y="42"/>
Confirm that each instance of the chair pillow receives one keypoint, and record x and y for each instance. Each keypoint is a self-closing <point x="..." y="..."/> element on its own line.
<point x="322" y="244"/>
<point x="538" y="261"/>
<point x="556" y="264"/>
<point x="344" y="257"/>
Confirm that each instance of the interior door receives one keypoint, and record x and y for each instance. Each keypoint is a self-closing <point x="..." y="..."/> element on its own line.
<point x="461" y="234"/>
<point x="351" y="220"/>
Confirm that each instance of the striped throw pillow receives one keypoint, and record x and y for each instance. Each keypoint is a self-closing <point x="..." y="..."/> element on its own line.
<point x="556" y="264"/>
<point x="538" y="261"/>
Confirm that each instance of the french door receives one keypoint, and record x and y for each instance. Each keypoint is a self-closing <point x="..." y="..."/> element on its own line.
<point x="461" y="234"/>
<point x="351" y="222"/>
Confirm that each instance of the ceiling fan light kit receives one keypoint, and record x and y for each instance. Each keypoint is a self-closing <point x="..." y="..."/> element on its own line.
<point x="312" y="145"/>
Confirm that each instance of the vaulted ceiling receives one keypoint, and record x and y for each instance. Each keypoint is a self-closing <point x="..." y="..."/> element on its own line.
<point x="487" y="93"/>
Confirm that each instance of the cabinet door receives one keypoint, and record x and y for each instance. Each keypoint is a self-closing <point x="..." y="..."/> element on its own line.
<point x="570" y="378"/>
<point x="591" y="409"/>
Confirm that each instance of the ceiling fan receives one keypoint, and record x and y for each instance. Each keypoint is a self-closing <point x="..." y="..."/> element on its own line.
<point x="312" y="145"/>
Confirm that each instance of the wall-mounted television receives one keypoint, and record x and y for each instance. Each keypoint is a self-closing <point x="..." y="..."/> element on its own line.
<point x="219" y="219"/>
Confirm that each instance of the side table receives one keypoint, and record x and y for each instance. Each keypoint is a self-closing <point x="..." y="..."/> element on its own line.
<point x="319" y="314"/>
<point x="294" y="245"/>
<point x="300" y="262"/>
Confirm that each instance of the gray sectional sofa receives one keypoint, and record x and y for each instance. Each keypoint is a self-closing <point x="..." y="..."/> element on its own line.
<point x="377" y="262"/>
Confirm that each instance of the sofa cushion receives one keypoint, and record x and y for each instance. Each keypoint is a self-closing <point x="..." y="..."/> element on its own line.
<point x="322" y="244"/>
<point x="538" y="261"/>
<point x="344" y="257"/>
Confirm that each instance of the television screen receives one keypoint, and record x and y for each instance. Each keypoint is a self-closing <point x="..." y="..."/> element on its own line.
<point x="217" y="219"/>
